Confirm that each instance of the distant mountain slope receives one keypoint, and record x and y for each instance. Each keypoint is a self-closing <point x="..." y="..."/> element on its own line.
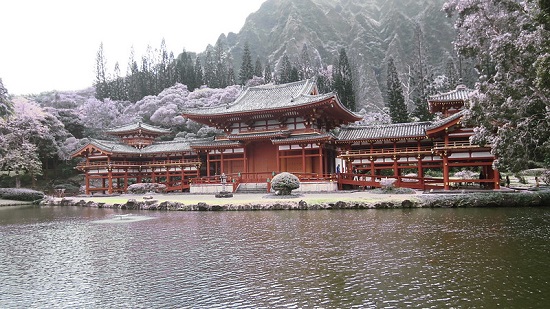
<point x="370" y="30"/>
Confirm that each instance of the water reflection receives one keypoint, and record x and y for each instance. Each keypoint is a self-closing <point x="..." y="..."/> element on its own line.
<point x="430" y="258"/>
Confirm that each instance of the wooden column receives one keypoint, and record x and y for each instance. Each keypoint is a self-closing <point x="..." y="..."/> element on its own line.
<point x="87" y="175"/>
<point x="109" y="176"/>
<point x="395" y="168"/>
<point x="208" y="163"/>
<point x="496" y="175"/>
<point x="303" y="158"/>
<point x="125" y="180"/>
<point x="445" y="171"/>
<point x="320" y="159"/>
<point x="420" y="172"/>
<point x="222" y="167"/>
<point x="279" y="159"/>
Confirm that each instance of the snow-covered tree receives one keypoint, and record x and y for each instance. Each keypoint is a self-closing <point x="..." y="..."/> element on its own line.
<point x="510" y="44"/>
<point x="5" y="104"/>
<point x="343" y="80"/>
<point x="396" y="101"/>
<point x="247" y="70"/>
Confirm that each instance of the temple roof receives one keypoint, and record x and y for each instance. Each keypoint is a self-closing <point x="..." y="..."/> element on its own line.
<point x="442" y="122"/>
<point x="266" y="97"/>
<point x="309" y="138"/>
<point x="273" y="101"/>
<point x="134" y="127"/>
<point x="396" y="130"/>
<point x="380" y="132"/>
<point x="461" y="93"/>
<point x="116" y="147"/>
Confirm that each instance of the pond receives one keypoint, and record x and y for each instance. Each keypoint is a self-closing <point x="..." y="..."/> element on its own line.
<point x="72" y="257"/>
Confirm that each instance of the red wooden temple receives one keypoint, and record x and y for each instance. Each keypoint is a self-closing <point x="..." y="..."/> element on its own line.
<point x="293" y="128"/>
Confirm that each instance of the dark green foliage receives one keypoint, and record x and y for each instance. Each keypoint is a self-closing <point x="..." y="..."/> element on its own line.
<point x="21" y="194"/>
<point x="396" y="101"/>
<point x="6" y="107"/>
<point x="247" y="70"/>
<point x="268" y="74"/>
<point x="258" y="70"/>
<point x="343" y="81"/>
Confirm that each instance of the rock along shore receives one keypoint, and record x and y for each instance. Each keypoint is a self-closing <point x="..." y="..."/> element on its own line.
<point x="483" y="199"/>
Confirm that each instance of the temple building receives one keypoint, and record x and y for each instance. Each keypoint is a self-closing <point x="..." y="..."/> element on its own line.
<point x="291" y="127"/>
<point x="405" y="152"/>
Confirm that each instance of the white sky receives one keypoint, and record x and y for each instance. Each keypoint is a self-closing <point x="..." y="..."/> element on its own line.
<point x="52" y="44"/>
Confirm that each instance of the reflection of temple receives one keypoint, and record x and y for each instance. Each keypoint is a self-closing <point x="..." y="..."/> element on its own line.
<point x="289" y="127"/>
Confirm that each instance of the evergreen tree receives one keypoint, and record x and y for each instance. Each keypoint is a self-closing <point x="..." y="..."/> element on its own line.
<point x="133" y="92"/>
<point x="343" y="81"/>
<point x="6" y="106"/>
<point x="101" y="84"/>
<point x="210" y="70"/>
<point x="420" y="79"/>
<point x="396" y="101"/>
<point x="199" y="76"/>
<point x="305" y="69"/>
<point x="258" y="70"/>
<point x="247" y="70"/>
<point x="230" y="78"/>
<point x="268" y="75"/>
<point x="285" y="70"/>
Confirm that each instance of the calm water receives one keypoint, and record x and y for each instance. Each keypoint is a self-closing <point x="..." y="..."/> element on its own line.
<point x="62" y="257"/>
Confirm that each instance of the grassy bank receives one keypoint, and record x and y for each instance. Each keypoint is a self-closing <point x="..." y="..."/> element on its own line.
<point x="340" y="200"/>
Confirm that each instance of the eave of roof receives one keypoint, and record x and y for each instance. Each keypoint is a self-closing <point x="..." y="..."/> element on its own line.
<point x="308" y="138"/>
<point x="382" y="132"/>
<point x="136" y="127"/>
<point x="460" y="94"/>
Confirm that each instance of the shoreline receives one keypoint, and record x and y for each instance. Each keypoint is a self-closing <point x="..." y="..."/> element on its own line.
<point x="308" y="201"/>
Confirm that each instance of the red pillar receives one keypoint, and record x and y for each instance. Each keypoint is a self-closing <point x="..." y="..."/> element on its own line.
<point x="445" y="172"/>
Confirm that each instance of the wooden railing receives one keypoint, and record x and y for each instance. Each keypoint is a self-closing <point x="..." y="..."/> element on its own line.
<point x="457" y="145"/>
<point x="386" y="151"/>
<point x="134" y="164"/>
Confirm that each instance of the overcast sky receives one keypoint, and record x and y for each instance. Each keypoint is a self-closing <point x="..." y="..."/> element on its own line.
<point x="52" y="44"/>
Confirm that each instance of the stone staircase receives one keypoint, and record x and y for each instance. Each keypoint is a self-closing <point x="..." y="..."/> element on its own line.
<point x="252" y="188"/>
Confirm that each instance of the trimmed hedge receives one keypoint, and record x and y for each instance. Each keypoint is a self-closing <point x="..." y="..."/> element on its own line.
<point x="284" y="183"/>
<point x="141" y="188"/>
<point x="21" y="194"/>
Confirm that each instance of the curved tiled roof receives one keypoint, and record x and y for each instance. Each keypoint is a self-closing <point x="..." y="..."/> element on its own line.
<point x="461" y="93"/>
<point x="171" y="146"/>
<point x="113" y="147"/>
<point x="311" y="138"/>
<point x="254" y="99"/>
<point x="137" y="126"/>
<point x="255" y="135"/>
<point x="378" y="132"/>
<point x="444" y="121"/>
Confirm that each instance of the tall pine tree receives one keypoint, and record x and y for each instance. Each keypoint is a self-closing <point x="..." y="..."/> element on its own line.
<point x="101" y="84"/>
<point x="247" y="70"/>
<point x="343" y="81"/>
<point x="396" y="101"/>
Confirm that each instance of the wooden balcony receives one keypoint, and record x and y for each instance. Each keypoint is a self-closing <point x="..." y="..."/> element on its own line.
<point x="135" y="164"/>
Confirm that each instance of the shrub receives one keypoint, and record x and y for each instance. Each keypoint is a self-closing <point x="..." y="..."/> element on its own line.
<point x="465" y="174"/>
<point x="21" y="194"/>
<point x="141" y="188"/>
<point x="284" y="183"/>
<point x="387" y="184"/>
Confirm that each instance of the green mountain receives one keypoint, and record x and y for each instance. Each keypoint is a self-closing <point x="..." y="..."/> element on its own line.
<point x="371" y="31"/>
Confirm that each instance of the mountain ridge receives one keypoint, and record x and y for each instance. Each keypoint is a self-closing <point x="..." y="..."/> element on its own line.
<point x="371" y="31"/>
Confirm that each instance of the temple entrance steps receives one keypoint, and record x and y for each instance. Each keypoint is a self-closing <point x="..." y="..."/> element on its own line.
<point x="252" y="187"/>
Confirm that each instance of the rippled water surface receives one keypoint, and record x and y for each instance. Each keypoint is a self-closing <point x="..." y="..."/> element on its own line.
<point x="70" y="257"/>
